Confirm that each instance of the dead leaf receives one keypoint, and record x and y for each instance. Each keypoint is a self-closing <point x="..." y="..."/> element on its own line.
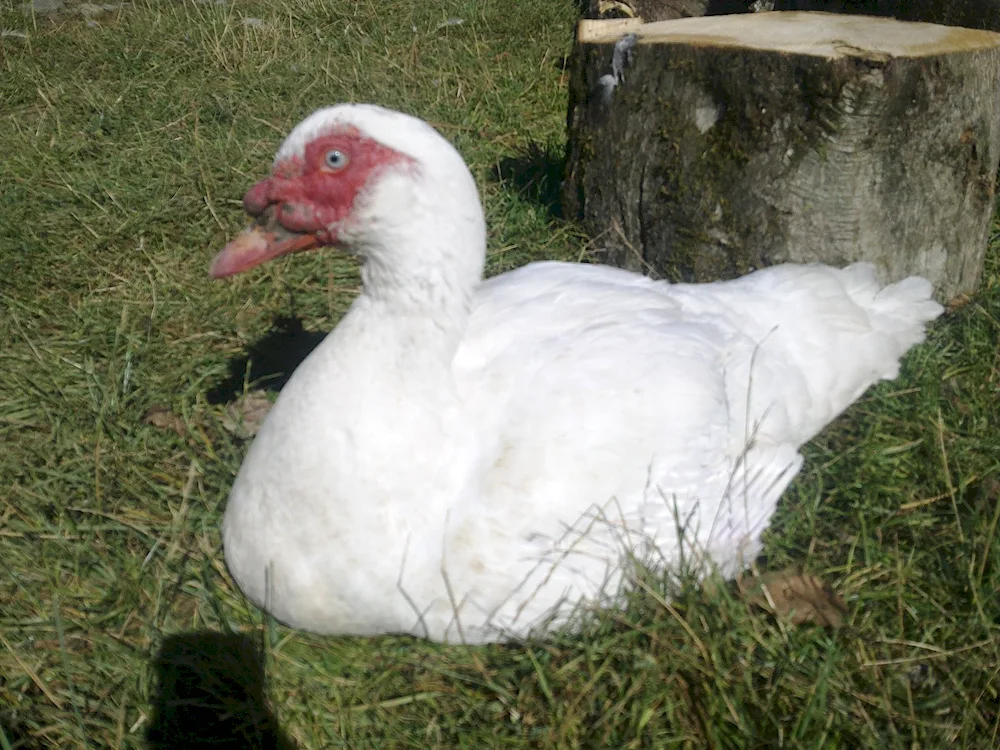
<point x="957" y="303"/>
<point x="798" y="598"/>
<point x="713" y="586"/>
<point x="246" y="414"/>
<point x="162" y="418"/>
<point x="73" y="644"/>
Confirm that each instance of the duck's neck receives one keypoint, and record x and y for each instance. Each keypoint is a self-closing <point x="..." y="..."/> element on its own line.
<point x="434" y="301"/>
<point x="420" y="280"/>
<point x="384" y="375"/>
<point x="374" y="410"/>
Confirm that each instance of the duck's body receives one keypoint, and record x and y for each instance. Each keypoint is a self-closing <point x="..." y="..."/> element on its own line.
<point x="469" y="462"/>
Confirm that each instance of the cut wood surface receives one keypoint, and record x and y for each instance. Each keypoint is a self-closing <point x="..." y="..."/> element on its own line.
<point x="976" y="14"/>
<point x="703" y="148"/>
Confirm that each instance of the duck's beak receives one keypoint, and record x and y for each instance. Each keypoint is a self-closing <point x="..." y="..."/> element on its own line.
<point x="257" y="245"/>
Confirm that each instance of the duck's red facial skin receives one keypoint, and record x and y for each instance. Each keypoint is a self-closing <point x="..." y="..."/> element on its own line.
<point x="306" y="198"/>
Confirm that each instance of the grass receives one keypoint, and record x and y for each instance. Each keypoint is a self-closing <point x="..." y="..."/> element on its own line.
<point x="127" y="146"/>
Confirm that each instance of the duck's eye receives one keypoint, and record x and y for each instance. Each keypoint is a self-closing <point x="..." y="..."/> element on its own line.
<point x="336" y="159"/>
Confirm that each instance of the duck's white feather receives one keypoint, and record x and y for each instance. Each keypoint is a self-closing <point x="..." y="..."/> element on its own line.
<point x="476" y="474"/>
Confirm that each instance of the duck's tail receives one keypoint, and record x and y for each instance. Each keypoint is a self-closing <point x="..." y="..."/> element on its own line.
<point x="898" y="313"/>
<point x="824" y="336"/>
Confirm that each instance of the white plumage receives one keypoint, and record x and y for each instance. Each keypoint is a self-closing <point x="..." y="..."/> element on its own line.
<point x="470" y="461"/>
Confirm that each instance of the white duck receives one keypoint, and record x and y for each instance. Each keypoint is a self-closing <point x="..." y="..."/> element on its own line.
<point x="472" y="461"/>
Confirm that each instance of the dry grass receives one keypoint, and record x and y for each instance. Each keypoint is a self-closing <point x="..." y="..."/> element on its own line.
<point x="127" y="147"/>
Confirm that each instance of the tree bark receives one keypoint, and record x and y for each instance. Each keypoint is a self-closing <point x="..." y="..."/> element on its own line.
<point x="973" y="14"/>
<point x="704" y="148"/>
<point x="647" y="10"/>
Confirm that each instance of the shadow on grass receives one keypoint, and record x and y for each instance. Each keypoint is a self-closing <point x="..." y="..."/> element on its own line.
<point x="269" y="361"/>
<point x="210" y="693"/>
<point x="536" y="173"/>
<point x="15" y="735"/>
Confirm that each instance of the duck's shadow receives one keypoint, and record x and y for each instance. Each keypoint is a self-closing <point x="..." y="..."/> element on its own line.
<point x="536" y="173"/>
<point x="16" y="733"/>
<point x="269" y="361"/>
<point x="210" y="693"/>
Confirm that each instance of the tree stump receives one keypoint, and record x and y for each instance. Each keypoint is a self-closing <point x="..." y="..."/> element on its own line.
<point x="703" y="148"/>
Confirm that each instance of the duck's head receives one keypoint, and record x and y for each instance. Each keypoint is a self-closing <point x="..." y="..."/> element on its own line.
<point x="369" y="180"/>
